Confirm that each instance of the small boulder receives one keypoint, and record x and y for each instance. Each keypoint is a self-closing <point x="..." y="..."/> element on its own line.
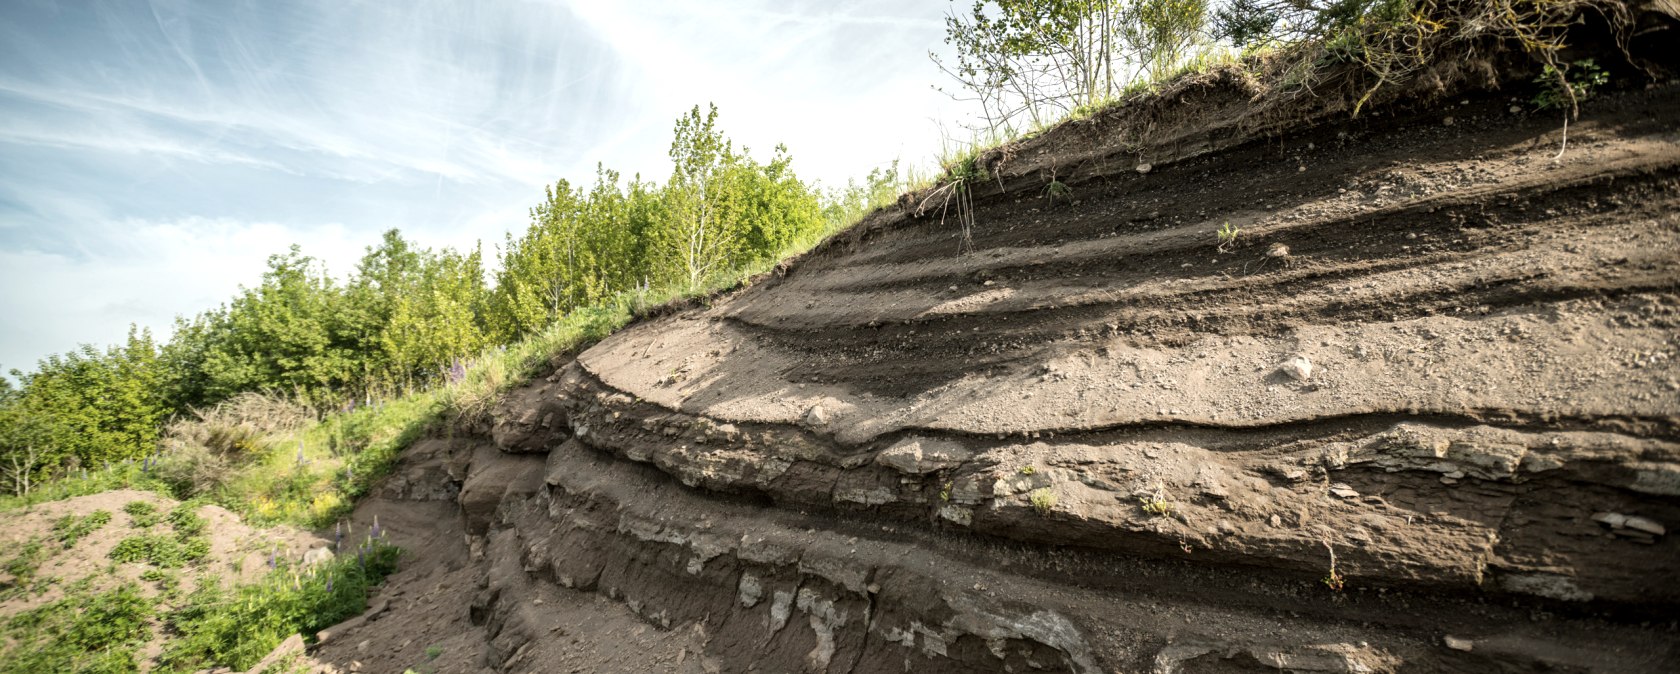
<point x="816" y="417"/>
<point x="1612" y="520"/>
<point x="919" y="456"/>
<point x="1458" y="644"/>
<point x="1646" y="525"/>
<point x="1298" y="368"/>
<point x="1145" y="168"/>
<point x="317" y="557"/>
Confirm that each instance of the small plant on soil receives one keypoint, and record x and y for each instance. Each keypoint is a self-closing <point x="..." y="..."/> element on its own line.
<point x="1043" y="500"/>
<point x="71" y="528"/>
<point x="1228" y="237"/>
<point x="144" y="513"/>
<point x="945" y="492"/>
<point x="1028" y="470"/>
<point x="1157" y="506"/>
<point x="433" y="651"/>
<point x="1157" y="503"/>
<point x="1058" y="190"/>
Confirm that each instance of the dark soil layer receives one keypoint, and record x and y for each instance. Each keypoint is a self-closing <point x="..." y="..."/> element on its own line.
<point x="1423" y="414"/>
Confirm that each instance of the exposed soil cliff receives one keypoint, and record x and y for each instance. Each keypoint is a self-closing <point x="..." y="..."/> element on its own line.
<point x="1423" y="413"/>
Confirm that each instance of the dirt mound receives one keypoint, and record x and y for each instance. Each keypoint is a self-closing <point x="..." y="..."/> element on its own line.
<point x="1419" y="413"/>
<point x="78" y="545"/>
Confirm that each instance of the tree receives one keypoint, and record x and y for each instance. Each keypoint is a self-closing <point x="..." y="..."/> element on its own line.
<point x="1035" y="60"/>
<point x="695" y="240"/>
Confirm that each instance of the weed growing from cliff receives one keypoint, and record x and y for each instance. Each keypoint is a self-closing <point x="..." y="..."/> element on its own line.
<point x="1228" y="237"/>
<point x="1334" y="579"/>
<point x="1043" y="500"/>
<point x="1028" y="470"/>
<point x="945" y="491"/>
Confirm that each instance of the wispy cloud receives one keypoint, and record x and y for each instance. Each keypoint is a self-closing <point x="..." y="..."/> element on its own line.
<point x="153" y="154"/>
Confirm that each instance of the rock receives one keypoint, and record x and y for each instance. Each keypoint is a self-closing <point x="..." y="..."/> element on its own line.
<point x="919" y="456"/>
<point x="1298" y="368"/>
<point x="816" y="417"/>
<point x="288" y="651"/>
<point x="1448" y="121"/>
<point x="1145" y="168"/>
<point x="1646" y="525"/>
<point x="1342" y="490"/>
<point x="1458" y="644"/>
<point x="1277" y="250"/>
<point x="1612" y="520"/>
<point x="316" y="557"/>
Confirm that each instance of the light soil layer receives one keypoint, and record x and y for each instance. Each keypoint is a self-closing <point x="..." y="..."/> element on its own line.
<point x="1076" y="446"/>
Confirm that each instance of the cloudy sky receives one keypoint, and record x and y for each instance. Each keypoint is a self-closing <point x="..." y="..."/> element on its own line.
<point x="153" y="154"/>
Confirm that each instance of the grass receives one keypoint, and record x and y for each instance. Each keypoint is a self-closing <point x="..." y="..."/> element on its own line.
<point x="85" y="631"/>
<point x="236" y="627"/>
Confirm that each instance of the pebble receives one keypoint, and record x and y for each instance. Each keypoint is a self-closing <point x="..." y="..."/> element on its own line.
<point x="1447" y="122"/>
<point x="1145" y="168"/>
<point x="1458" y="644"/>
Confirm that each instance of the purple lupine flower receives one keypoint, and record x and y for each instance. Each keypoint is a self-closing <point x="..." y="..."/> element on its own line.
<point x="329" y="584"/>
<point x="274" y="558"/>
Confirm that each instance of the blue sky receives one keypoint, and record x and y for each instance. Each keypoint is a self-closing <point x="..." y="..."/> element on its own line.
<point x="153" y="154"/>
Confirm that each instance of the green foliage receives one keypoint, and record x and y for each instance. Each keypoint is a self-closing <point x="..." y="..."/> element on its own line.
<point x="70" y="528"/>
<point x="1029" y="62"/>
<point x="1566" y="86"/>
<point x="83" y="632"/>
<point x="237" y="627"/>
<point x="82" y="409"/>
